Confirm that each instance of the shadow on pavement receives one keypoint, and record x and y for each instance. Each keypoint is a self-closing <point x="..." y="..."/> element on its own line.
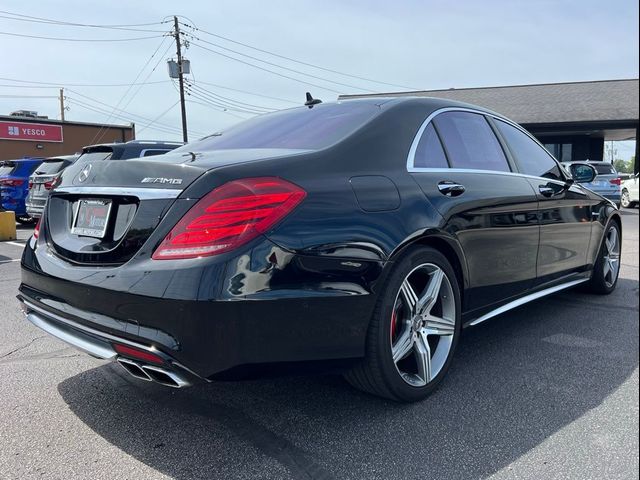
<point x="516" y="380"/>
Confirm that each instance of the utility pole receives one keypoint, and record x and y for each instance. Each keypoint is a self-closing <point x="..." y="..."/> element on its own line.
<point x="62" y="104"/>
<point x="176" y="35"/>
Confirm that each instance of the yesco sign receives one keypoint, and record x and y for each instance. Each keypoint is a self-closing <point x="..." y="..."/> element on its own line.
<point x="30" y="132"/>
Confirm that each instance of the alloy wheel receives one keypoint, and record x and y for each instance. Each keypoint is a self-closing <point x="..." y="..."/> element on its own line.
<point x="423" y="324"/>
<point x="611" y="263"/>
<point x="625" y="200"/>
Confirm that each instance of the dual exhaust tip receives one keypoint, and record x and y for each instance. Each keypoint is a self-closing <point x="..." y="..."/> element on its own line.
<point x="152" y="373"/>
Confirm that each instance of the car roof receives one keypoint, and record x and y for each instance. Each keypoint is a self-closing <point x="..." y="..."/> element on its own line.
<point x="151" y="143"/>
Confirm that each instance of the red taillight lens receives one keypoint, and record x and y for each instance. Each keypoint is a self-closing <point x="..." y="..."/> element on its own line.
<point x="137" y="354"/>
<point x="11" y="182"/>
<point x="30" y="184"/>
<point x="53" y="183"/>
<point x="230" y="216"/>
<point x="616" y="181"/>
<point x="36" y="230"/>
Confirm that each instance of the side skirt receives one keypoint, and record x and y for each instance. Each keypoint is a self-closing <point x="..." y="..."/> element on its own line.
<point x="526" y="299"/>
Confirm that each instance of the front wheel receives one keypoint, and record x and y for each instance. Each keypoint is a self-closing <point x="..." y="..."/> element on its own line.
<point x="414" y="329"/>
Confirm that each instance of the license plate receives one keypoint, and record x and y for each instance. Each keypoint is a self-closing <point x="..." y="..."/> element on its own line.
<point x="91" y="218"/>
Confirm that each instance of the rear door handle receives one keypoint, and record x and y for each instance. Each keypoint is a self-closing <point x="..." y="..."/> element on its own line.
<point x="450" y="189"/>
<point x="546" y="191"/>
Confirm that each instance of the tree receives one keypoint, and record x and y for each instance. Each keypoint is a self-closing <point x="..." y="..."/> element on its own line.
<point x="623" y="167"/>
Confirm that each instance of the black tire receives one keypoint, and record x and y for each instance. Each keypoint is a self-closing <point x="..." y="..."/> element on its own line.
<point x="600" y="283"/>
<point x="377" y="373"/>
<point x="26" y="220"/>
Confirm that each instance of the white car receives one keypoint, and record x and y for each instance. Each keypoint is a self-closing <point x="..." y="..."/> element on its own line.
<point x="630" y="192"/>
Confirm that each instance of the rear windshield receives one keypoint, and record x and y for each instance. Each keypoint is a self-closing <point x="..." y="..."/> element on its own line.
<point x="604" y="169"/>
<point x="50" y="167"/>
<point x="6" y="168"/>
<point x="94" y="156"/>
<point x="298" y="128"/>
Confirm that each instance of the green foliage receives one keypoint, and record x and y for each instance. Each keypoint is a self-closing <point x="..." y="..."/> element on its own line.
<point x="623" y="167"/>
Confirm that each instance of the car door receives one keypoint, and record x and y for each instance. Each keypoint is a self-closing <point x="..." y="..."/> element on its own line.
<point x="565" y="213"/>
<point x="463" y="171"/>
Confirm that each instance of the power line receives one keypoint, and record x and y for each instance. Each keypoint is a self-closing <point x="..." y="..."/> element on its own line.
<point x="28" y="96"/>
<point x="224" y="107"/>
<point x="139" y="118"/>
<point x="266" y="69"/>
<point x="246" y="92"/>
<point x="74" y="24"/>
<point x="79" y="39"/>
<point x="58" y="84"/>
<point x="64" y="24"/>
<point x="295" y="60"/>
<point x="158" y="117"/>
<point x="293" y="70"/>
<point x="230" y="100"/>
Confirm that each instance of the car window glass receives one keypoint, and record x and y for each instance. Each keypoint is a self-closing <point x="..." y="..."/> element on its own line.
<point x="604" y="169"/>
<point x="531" y="157"/>
<point x="296" y="128"/>
<point x="429" y="152"/>
<point x="6" y="169"/>
<point x="152" y="153"/>
<point x="49" y="168"/>
<point x="94" y="156"/>
<point x="470" y="142"/>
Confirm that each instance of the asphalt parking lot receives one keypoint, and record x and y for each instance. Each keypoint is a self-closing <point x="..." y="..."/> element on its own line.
<point x="549" y="390"/>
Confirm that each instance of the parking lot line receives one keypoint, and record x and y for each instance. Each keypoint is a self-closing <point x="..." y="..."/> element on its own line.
<point x="9" y="261"/>
<point x="17" y="244"/>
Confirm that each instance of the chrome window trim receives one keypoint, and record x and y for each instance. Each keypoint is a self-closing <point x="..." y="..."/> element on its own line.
<point x="141" y="193"/>
<point x="434" y="114"/>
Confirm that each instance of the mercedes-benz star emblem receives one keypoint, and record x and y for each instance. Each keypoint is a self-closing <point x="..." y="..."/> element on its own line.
<point x="84" y="173"/>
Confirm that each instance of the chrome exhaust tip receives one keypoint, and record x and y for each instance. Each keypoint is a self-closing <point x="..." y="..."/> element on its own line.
<point x="151" y="373"/>
<point x="134" y="369"/>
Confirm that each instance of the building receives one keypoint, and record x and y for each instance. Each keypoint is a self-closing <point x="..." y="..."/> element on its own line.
<point x="573" y="120"/>
<point x="25" y="134"/>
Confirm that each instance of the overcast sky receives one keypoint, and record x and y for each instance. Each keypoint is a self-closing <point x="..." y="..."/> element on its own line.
<point x="415" y="44"/>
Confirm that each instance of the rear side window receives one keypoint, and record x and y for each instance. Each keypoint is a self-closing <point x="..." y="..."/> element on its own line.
<point x="94" y="156"/>
<point x="531" y="157"/>
<point x="429" y="153"/>
<point x="470" y="142"/>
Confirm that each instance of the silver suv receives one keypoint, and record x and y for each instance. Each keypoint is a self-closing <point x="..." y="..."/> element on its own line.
<point x="43" y="180"/>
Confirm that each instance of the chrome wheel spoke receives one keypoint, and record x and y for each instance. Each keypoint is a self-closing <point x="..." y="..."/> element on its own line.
<point x="403" y="345"/>
<point x="422" y="352"/>
<point x="409" y="295"/>
<point x="439" y="326"/>
<point x="430" y="294"/>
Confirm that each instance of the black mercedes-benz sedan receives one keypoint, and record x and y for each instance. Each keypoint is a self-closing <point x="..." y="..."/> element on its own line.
<point x="362" y="234"/>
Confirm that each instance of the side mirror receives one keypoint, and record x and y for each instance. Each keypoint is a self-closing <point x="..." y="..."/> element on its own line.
<point x="582" y="172"/>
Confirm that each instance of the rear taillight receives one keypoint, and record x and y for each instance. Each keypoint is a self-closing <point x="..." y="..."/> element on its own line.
<point x="11" y="182"/>
<point x="51" y="184"/>
<point x="230" y="216"/>
<point x="30" y="184"/>
<point x="616" y="181"/>
<point x="36" y="230"/>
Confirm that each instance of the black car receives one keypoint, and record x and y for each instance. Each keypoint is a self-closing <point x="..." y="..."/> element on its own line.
<point x="360" y="235"/>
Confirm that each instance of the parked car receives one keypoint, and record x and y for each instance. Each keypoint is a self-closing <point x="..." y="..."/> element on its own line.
<point x="630" y="192"/>
<point x="607" y="183"/>
<point x="127" y="150"/>
<point x="14" y="185"/>
<point x="361" y="233"/>
<point x="43" y="179"/>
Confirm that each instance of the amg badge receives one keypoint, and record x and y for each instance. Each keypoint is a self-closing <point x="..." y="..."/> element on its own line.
<point x="172" y="181"/>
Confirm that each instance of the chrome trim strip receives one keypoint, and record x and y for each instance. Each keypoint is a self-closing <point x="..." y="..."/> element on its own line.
<point x="93" y="348"/>
<point x="86" y="329"/>
<point x="525" y="299"/>
<point x="180" y="382"/>
<point x="141" y="193"/>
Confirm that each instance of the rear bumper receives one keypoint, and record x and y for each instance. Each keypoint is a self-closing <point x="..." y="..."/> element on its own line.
<point x="35" y="209"/>
<point x="283" y="323"/>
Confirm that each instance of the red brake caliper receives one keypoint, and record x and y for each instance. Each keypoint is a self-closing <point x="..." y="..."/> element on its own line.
<point x="394" y="322"/>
